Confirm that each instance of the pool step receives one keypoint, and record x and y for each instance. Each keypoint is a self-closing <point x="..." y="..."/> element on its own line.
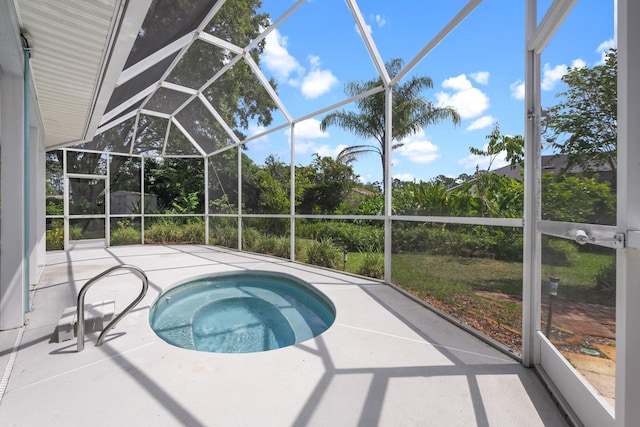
<point x="96" y="316"/>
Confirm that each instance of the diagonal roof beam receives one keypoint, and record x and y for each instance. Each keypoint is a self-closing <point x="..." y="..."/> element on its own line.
<point x="151" y="60"/>
<point x="166" y="137"/>
<point x="208" y="83"/>
<point x="216" y="41"/>
<point x="115" y="122"/>
<point x="183" y="50"/>
<point x="122" y="38"/>
<point x="129" y="102"/>
<point x="340" y="104"/>
<point x="265" y="83"/>
<point x="368" y="41"/>
<point x="188" y="136"/>
<point x="218" y="118"/>
<point x="466" y="10"/>
<point x="273" y="26"/>
<point x="550" y="23"/>
<point x="178" y="88"/>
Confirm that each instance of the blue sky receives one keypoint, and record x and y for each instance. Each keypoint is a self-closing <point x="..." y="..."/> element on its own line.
<point x="478" y="68"/>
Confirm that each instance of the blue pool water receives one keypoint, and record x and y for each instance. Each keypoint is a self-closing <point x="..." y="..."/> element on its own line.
<point x="241" y="313"/>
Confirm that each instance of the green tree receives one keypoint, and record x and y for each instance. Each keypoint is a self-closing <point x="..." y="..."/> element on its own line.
<point x="580" y="199"/>
<point x="489" y="194"/>
<point x="238" y="97"/>
<point x="422" y="198"/>
<point x="512" y="146"/>
<point x="223" y="182"/>
<point x="411" y="112"/>
<point x="177" y="183"/>
<point x="447" y="181"/>
<point x="262" y="192"/>
<point x="583" y="125"/>
<point x="330" y="182"/>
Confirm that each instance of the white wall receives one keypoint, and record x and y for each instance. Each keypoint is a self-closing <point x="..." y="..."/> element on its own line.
<point x="13" y="263"/>
<point x="12" y="220"/>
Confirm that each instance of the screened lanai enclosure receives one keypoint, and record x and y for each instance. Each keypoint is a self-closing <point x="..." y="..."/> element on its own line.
<point x="226" y="123"/>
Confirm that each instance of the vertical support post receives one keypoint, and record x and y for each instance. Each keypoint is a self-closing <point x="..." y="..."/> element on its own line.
<point x="239" y="197"/>
<point x="206" y="200"/>
<point x="142" y="199"/>
<point x="628" y="259"/>
<point x="12" y="269"/>
<point x="38" y="201"/>
<point x="387" y="182"/>
<point x="107" y="203"/>
<point x="292" y="196"/>
<point x="531" y="293"/>
<point x="26" y="173"/>
<point x="65" y="200"/>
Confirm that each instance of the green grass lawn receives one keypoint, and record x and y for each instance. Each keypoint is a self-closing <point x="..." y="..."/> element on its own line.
<point x="440" y="275"/>
<point x="443" y="275"/>
<point x="578" y="280"/>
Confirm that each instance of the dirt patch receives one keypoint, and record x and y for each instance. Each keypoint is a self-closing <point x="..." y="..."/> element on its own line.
<point x="577" y="328"/>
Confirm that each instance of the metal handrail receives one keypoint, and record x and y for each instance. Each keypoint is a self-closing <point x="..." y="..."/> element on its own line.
<point x="80" y="309"/>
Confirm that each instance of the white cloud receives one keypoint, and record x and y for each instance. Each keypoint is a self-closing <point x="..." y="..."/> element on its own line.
<point x="578" y="63"/>
<point x="317" y="83"/>
<point x="481" y="123"/>
<point x="259" y="142"/>
<point x="469" y="101"/>
<point x="551" y="75"/>
<point x="482" y="162"/>
<point x="367" y="27"/>
<point x="286" y="68"/>
<point x="365" y="179"/>
<point x="308" y="129"/>
<point x="327" y="151"/>
<point x="407" y="177"/>
<point x="306" y="133"/>
<point x="277" y="59"/>
<point x="517" y="89"/>
<point x="603" y="49"/>
<point x="481" y="77"/>
<point x="380" y="21"/>
<point x="457" y="83"/>
<point x="305" y="147"/>
<point x="310" y="147"/>
<point x="418" y="149"/>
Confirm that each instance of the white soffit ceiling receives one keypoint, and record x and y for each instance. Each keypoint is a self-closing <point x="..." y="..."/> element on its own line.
<point x="69" y="38"/>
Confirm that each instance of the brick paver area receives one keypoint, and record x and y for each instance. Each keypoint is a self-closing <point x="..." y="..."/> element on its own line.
<point x="582" y="318"/>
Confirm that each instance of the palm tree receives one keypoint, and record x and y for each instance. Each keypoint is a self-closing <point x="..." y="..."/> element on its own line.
<point x="411" y="112"/>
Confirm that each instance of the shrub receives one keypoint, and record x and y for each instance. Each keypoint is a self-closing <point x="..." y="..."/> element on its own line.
<point x="250" y="239"/>
<point x="162" y="232"/>
<point x="372" y="264"/>
<point x="265" y="245"/>
<point x="282" y="247"/>
<point x="192" y="232"/>
<point x="467" y="241"/>
<point x="170" y="231"/>
<point x="346" y="235"/>
<point x="55" y="239"/>
<point x="558" y="252"/>
<point x="606" y="282"/>
<point x="55" y="236"/>
<point x="225" y="236"/>
<point x="125" y="234"/>
<point x="324" y="254"/>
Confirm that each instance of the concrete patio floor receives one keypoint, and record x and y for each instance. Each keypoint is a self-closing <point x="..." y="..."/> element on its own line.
<point x="385" y="361"/>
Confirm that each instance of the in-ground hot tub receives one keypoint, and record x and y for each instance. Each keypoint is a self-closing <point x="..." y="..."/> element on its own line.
<point x="241" y="312"/>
